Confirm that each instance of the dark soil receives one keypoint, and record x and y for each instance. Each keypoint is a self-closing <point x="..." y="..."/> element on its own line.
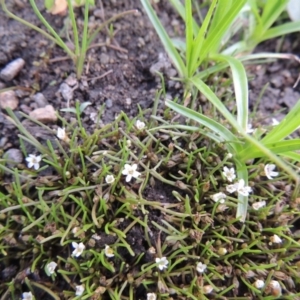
<point x="127" y="85"/>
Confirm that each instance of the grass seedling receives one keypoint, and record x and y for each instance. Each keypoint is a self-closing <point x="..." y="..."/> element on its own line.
<point x="81" y="42"/>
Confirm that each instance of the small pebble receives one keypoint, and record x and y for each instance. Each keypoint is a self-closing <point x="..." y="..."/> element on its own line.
<point x="12" y="69"/>
<point x="8" y="99"/>
<point x="40" y="100"/>
<point x="108" y="103"/>
<point x="104" y="59"/>
<point x="44" y="114"/>
<point x="14" y="155"/>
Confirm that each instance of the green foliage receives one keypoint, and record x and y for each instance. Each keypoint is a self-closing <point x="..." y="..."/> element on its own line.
<point x="81" y="42"/>
<point x="205" y="43"/>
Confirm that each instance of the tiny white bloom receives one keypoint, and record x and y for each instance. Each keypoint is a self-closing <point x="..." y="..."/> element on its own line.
<point x="130" y="171"/>
<point x="229" y="155"/>
<point x="51" y="267"/>
<point x="27" y="296"/>
<point x="258" y="205"/>
<point x="128" y="143"/>
<point x="151" y="296"/>
<point x="231" y="188"/>
<point x="201" y="267"/>
<point x="109" y="252"/>
<point x="275" y="239"/>
<point x="259" y="284"/>
<point x="275" y="122"/>
<point x="109" y="179"/>
<point x="61" y="134"/>
<point x="269" y="171"/>
<point x="162" y="262"/>
<point x="78" y="249"/>
<point x="75" y="230"/>
<point x="229" y="173"/>
<point x="218" y="197"/>
<point x="33" y="161"/>
<point x="140" y="125"/>
<point x="249" y="128"/>
<point x="242" y="188"/>
<point x="79" y="290"/>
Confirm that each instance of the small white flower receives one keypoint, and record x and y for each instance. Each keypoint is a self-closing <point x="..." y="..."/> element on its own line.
<point x="259" y="284"/>
<point x="229" y="173"/>
<point x="275" y="122"/>
<point x="79" y="290"/>
<point x="218" y="197"/>
<point x="109" y="252"/>
<point x="249" y="128"/>
<point x="229" y="155"/>
<point x="78" y="249"/>
<point x="258" y="205"/>
<point x="61" y="134"/>
<point x="27" y="296"/>
<point x="239" y="187"/>
<point x="130" y="171"/>
<point x="231" y="188"/>
<point x="50" y="268"/>
<point x="162" y="262"/>
<point x="151" y="296"/>
<point x="269" y="171"/>
<point x="128" y="143"/>
<point x="109" y="179"/>
<point x="33" y="161"/>
<point x="140" y="125"/>
<point x="275" y="239"/>
<point x="201" y="267"/>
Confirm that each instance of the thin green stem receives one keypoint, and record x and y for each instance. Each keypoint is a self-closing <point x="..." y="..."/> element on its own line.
<point x="56" y="38"/>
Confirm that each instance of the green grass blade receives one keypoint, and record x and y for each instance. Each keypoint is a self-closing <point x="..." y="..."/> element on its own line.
<point x="214" y="39"/>
<point x="181" y="11"/>
<point x="279" y="148"/>
<point x="198" y="55"/>
<point x="225" y="134"/>
<point x="271" y="11"/>
<point x="210" y="95"/>
<point x="242" y="207"/>
<point x="287" y="126"/>
<point x="165" y="39"/>
<point x="280" y="30"/>
<point x="240" y="83"/>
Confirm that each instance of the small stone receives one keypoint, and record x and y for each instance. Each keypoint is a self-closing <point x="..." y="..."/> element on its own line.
<point x="14" y="156"/>
<point x="45" y="114"/>
<point x="108" y="103"/>
<point x="3" y="141"/>
<point x="8" y="99"/>
<point x="40" y="100"/>
<point x="12" y="69"/>
<point x="66" y="91"/>
<point x="104" y="59"/>
<point x="98" y="13"/>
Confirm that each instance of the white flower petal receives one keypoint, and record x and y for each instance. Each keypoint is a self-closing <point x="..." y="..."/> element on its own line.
<point x="162" y="262"/>
<point x="27" y="296"/>
<point x="258" y="205"/>
<point x="79" y="290"/>
<point x="201" y="267"/>
<point x="269" y="171"/>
